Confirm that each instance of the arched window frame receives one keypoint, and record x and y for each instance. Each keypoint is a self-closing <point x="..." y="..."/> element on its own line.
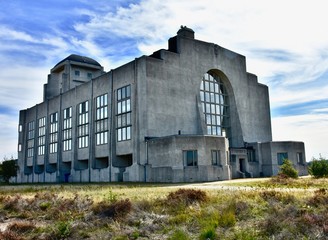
<point x="215" y="105"/>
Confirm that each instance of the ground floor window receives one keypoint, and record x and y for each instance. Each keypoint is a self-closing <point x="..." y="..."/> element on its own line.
<point x="251" y="155"/>
<point x="281" y="157"/>
<point x="216" y="157"/>
<point x="190" y="158"/>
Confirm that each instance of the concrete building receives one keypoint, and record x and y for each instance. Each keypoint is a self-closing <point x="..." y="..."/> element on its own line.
<point x="188" y="113"/>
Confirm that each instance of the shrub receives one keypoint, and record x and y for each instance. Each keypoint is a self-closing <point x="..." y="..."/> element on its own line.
<point x="187" y="196"/>
<point x="115" y="210"/>
<point x="9" y="235"/>
<point x="320" y="198"/>
<point x="21" y="227"/>
<point x="63" y="229"/>
<point x="319" y="168"/>
<point x="288" y="170"/>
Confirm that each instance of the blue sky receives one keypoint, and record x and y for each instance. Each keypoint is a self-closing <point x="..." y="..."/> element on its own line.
<point x="285" y="44"/>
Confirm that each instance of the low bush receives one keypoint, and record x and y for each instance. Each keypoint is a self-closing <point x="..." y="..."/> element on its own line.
<point x="9" y="235"/>
<point x="63" y="229"/>
<point x="320" y="198"/>
<point x="115" y="210"/>
<point x="288" y="170"/>
<point x="21" y="227"/>
<point x="187" y="196"/>
<point x="319" y="168"/>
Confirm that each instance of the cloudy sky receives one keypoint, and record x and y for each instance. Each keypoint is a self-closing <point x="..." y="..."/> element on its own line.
<point x="285" y="44"/>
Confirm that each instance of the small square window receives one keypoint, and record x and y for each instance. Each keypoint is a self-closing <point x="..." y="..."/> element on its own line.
<point x="89" y="75"/>
<point x="77" y="73"/>
<point x="281" y="157"/>
<point x="190" y="158"/>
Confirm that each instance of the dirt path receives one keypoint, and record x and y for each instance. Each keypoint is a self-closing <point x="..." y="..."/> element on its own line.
<point x="227" y="185"/>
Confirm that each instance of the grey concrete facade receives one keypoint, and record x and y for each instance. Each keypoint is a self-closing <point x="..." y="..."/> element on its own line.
<point x="185" y="114"/>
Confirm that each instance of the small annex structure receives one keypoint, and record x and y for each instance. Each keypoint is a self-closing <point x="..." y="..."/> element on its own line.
<point x="185" y="114"/>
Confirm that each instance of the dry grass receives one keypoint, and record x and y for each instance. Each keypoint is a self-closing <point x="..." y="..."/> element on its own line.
<point x="100" y="211"/>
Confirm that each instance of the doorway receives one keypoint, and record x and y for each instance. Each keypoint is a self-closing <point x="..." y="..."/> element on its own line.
<point x="242" y="165"/>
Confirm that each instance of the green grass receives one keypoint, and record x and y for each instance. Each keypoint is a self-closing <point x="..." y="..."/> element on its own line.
<point x="167" y="211"/>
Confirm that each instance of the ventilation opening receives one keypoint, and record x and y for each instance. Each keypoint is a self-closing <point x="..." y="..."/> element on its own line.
<point x="28" y="170"/>
<point x="39" y="169"/>
<point x="101" y="162"/>
<point x="51" y="167"/>
<point x="123" y="161"/>
<point x="82" y="164"/>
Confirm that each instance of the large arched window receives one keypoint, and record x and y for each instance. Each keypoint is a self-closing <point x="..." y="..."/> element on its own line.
<point x="214" y="98"/>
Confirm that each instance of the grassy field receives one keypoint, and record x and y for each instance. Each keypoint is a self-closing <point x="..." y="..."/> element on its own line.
<point x="268" y="209"/>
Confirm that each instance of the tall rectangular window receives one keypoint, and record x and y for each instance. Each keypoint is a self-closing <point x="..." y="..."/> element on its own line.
<point x="299" y="157"/>
<point x="123" y="117"/>
<point x="53" y="146"/>
<point x="101" y="128"/>
<point x="30" y="139"/>
<point x="83" y="125"/>
<point x="251" y="155"/>
<point x="67" y="129"/>
<point x="281" y="157"/>
<point x="41" y="135"/>
<point x="190" y="158"/>
<point x="216" y="157"/>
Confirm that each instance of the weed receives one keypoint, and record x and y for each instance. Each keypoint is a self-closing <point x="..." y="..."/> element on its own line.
<point x="180" y="218"/>
<point x="227" y="218"/>
<point x="45" y="205"/>
<point x="63" y="229"/>
<point x="179" y="234"/>
<point x="111" y="197"/>
<point x="208" y="234"/>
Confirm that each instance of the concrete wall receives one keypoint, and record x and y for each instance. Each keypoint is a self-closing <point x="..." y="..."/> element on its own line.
<point x="270" y="152"/>
<point x="165" y="159"/>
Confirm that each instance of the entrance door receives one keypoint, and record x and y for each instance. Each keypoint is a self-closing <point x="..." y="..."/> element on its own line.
<point x="242" y="165"/>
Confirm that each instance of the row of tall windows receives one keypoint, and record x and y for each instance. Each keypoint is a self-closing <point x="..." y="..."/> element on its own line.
<point x="123" y="115"/>
<point x="67" y="129"/>
<point x="101" y="120"/>
<point x="41" y="136"/>
<point x="83" y="125"/>
<point x="123" y="120"/>
<point x="30" y="139"/>
<point x="53" y="133"/>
